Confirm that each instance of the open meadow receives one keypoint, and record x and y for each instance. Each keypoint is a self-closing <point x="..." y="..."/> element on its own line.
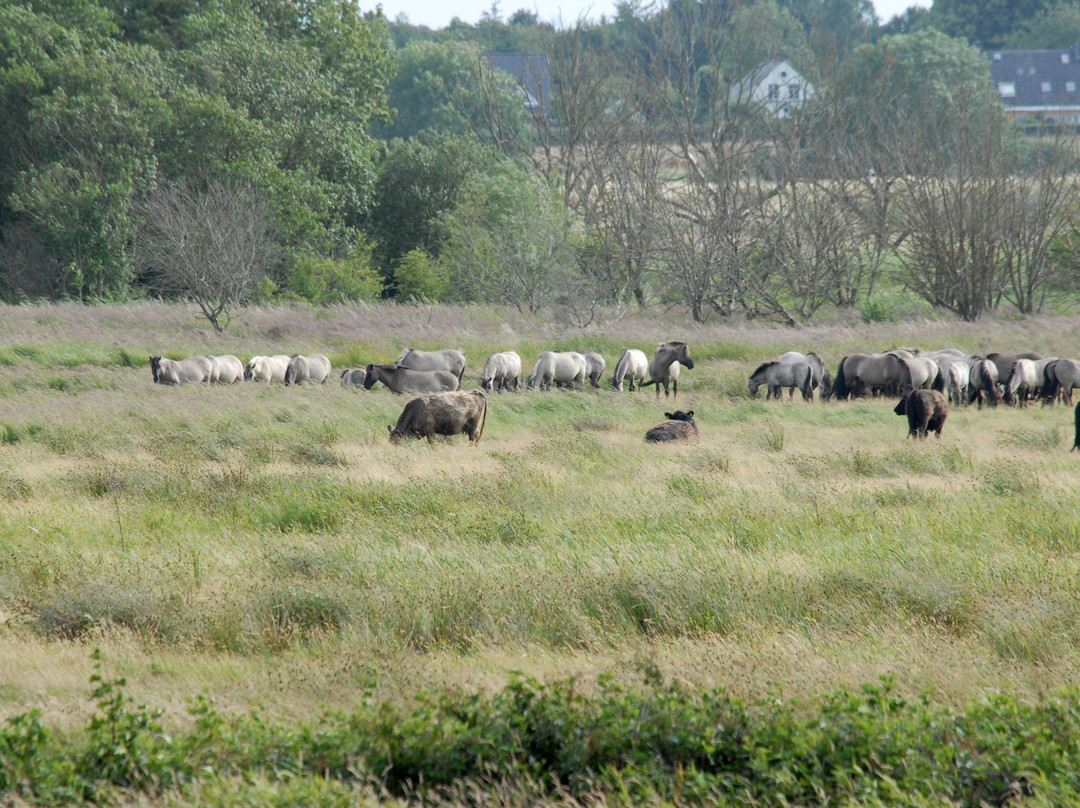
<point x="269" y="548"/>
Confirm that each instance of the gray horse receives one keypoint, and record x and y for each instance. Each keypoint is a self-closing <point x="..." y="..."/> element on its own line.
<point x="858" y="374"/>
<point x="502" y="371"/>
<point x="1062" y="376"/>
<point x="778" y="375"/>
<point x="983" y="382"/>
<point x="664" y="366"/>
<point x="314" y="368"/>
<point x="448" y="359"/>
<point x="405" y="380"/>
<point x="353" y="377"/>
<point x="594" y="368"/>
<point x="822" y="381"/>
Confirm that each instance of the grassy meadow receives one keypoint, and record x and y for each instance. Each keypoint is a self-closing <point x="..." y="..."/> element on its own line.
<point x="271" y="549"/>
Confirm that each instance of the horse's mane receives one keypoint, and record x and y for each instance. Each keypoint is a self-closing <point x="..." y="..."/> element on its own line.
<point x="763" y="366"/>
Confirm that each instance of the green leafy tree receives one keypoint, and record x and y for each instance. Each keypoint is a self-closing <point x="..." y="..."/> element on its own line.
<point x="1054" y="28"/>
<point x="417" y="276"/>
<point x="986" y="22"/>
<point x="322" y="281"/>
<point x="420" y="180"/>
<point x="509" y="243"/>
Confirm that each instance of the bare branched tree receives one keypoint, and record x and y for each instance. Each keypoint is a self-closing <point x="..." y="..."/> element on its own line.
<point x="211" y="245"/>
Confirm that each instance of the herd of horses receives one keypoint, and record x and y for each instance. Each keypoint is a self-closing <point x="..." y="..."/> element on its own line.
<point x="949" y="374"/>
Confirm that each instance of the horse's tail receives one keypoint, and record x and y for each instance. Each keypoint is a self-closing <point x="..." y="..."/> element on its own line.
<point x="807" y="389"/>
<point x="620" y="369"/>
<point x="1076" y="441"/>
<point x="839" y="387"/>
<point x="1051" y="385"/>
<point x="1010" y="393"/>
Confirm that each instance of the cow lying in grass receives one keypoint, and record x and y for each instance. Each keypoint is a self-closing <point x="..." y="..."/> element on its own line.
<point x="442" y="414"/>
<point x="679" y="426"/>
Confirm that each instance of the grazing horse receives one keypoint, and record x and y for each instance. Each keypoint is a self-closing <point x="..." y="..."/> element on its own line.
<point x="632" y="365"/>
<point x="266" y="368"/>
<point x="955" y="372"/>
<point x="1061" y="376"/>
<point x="174" y="371"/>
<point x="353" y="377"/>
<point x="1021" y="382"/>
<point x="777" y="376"/>
<point x="917" y="373"/>
<point x="664" y="366"/>
<point x="558" y="367"/>
<point x="926" y="411"/>
<point x="315" y="368"/>
<point x="404" y="380"/>
<point x="501" y="371"/>
<point x="448" y="360"/>
<point x="983" y="381"/>
<point x="679" y="426"/>
<point x="1004" y="362"/>
<point x="226" y="369"/>
<point x="594" y="368"/>
<point x="858" y="372"/>
<point x="822" y="379"/>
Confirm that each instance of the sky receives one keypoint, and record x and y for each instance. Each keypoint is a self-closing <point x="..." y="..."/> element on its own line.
<point x="438" y="13"/>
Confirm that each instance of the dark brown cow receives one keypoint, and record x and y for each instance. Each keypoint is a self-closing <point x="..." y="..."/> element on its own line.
<point x="442" y="414"/>
<point x="679" y="426"/>
<point x="926" y="411"/>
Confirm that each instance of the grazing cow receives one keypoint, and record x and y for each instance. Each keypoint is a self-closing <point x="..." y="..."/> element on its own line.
<point x="173" y="371"/>
<point x="442" y="414"/>
<point x="353" y="377"/>
<point x="679" y="426"/>
<point x="501" y="371"/>
<point x="315" y="368"/>
<point x="926" y="411"/>
<point x="594" y="368"/>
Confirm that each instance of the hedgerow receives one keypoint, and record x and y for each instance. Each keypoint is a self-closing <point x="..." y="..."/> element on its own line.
<point x="655" y="741"/>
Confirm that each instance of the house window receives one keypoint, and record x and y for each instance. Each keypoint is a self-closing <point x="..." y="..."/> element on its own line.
<point x="1070" y="86"/>
<point x="1064" y="58"/>
<point x="1045" y="86"/>
<point x="1007" y="89"/>
<point x="774" y="92"/>
<point x="793" y="91"/>
<point x="996" y="57"/>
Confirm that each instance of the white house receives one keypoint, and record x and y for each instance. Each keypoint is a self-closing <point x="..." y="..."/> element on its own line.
<point x="776" y="86"/>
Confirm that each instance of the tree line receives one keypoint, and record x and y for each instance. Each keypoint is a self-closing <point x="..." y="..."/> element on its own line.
<point x="288" y="149"/>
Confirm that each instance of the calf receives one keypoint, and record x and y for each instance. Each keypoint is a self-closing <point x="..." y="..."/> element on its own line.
<point x="926" y="411"/>
<point x="442" y="414"/>
<point x="679" y="426"/>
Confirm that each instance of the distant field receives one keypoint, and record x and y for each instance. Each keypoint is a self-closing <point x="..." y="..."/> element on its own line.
<point x="270" y="547"/>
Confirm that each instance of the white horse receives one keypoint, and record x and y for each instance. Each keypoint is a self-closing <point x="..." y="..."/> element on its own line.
<point x="822" y="381"/>
<point x="632" y="365"/>
<point x="778" y="375"/>
<point x="266" y="368"/>
<point x="448" y="360"/>
<point x="560" y="367"/>
<point x="502" y="371"/>
<point x="180" y="371"/>
<point x="315" y="368"/>
<point x="594" y="368"/>
<point x="1021" y="383"/>
<point x="353" y="377"/>
<point x="226" y="369"/>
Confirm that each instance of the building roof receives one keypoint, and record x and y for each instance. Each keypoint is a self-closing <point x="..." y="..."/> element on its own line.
<point x="1037" y="80"/>
<point x="530" y="71"/>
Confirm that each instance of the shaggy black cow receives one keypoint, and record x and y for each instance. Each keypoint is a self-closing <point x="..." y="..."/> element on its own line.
<point x="442" y="414"/>
<point x="1076" y="441"/>
<point x="679" y="426"/>
<point x="926" y="411"/>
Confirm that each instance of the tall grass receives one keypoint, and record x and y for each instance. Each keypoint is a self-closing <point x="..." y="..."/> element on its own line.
<point x="280" y="526"/>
